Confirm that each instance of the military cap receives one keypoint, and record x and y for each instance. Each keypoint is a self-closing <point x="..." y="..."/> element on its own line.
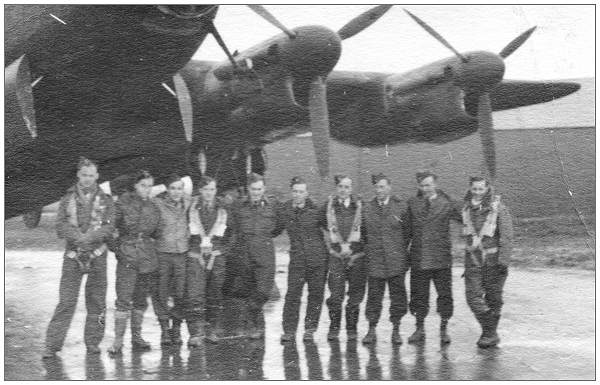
<point x="205" y="180"/>
<point x="424" y="174"/>
<point x="254" y="177"/>
<point x="172" y="178"/>
<point x="297" y="180"/>
<point x="375" y="178"/>
<point x="339" y="177"/>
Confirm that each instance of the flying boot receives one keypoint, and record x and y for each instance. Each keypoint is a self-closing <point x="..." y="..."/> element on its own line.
<point x="444" y="337"/>
<point x="371" y="336"/>
<point x="165" y="335"/>
<point x="419" y="333"/>
<point x="93" y="332"/>
<point x="489" y="338"/>
<point x="175" y="331"/>
<point x="137" y="342"/>
<point x="396" y="338"/>
<point x="120" y="326"/>
<point x="335" y="317"/>
<point x="351" y="322"/>
<point x="196" y="330"/>
<point x="215" y="320"/>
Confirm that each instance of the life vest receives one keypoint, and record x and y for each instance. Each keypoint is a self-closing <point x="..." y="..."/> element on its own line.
<point x="487" y="230"/>
<point x="332" y="226"/>
<point x="217" y="230"/>
<point x="96" y="219"/>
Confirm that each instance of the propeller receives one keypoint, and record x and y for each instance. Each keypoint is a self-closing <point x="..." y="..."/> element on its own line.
<point x="265" y="14"/>
<point x="319" y="123"/>
<point x="436" y="35"/>
<point x="362" y="21"/>
<point x="516" y="43"/>
<point x="480" y="89"/>
<point x="317" y="96"/>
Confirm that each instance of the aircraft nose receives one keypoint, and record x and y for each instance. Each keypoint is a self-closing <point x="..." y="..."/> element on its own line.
<point x="481" y="72"/>
<point x="313" y="52"/>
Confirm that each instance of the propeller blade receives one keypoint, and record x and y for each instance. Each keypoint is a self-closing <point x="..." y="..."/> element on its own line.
<point x="362" y="21"/>
<point x="185" y="106"/>
<point x="18" y="93"/>
<point x="319" y="124"/>
<point x="516" y="43"/>
<point x="213" y="30"/>
<point x="262" y="12"/>
<point x="436" y="35"/>
<point x="486" y="132"/>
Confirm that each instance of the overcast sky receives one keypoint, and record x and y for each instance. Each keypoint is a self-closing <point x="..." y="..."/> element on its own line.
<point x="562" y="47"/>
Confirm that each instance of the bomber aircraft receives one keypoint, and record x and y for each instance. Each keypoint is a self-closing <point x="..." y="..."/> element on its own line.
<point x="228" y="111"/>
<point x="88" y="80"/>
<point x="286" y="86"/>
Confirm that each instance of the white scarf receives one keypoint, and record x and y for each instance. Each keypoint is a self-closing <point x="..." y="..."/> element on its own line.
<point x="488" y="229"/>
<point x="217" y="230"/>
<point x="332" y="226"/>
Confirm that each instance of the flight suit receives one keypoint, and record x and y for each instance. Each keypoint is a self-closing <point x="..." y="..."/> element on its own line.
<point x="340" y="271"/>
<point x="308" y="263"/>
<point x="137" y="262"/>
<point x="204" y="286"/>
<point x="172" y="245"/>
<point x="486" y="266"/>
<point x="252" y="267"/>
<point x="85" y="219"/>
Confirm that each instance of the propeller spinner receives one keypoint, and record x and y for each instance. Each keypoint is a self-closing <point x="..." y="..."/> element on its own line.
<point x="478" y="83"/>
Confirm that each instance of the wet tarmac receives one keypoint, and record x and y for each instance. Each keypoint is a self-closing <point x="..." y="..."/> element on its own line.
<point x="547" y="331"/>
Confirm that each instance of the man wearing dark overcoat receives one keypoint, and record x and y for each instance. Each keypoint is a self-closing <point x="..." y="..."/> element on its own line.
<point x="429" y="215"/>
<point x="385" y="220"/>
<point x="252" y="264"/>
<point x="302" y="219"/>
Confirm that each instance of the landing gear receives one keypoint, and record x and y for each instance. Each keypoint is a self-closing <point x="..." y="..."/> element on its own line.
<point x="32" y="218"/>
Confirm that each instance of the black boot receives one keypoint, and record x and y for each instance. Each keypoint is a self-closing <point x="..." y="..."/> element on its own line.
<point x="137" y="342"/>
<point x="257" y="323"/>
<point x="396" y="338"/>
<point x="335" y="318"/>
<point x="371" y="335"/>
<point x="196" y="331"/>
<point x="352" y="315"/>
<point x="121" y="318"/>
<point x="175" y="332"/>
<point x="444" y="337"/>
<point x="165" y="337"/>
<point x="489" y="323"/>
<point x="419" y="334"/>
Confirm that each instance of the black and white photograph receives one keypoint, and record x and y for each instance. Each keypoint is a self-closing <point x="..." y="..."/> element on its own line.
<point x="299" y="192"/>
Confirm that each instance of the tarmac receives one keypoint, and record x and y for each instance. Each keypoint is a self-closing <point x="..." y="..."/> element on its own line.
<point x="547" y="332"/>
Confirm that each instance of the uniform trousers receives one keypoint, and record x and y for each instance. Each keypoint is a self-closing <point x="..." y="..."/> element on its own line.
<point x="397" y="294"/>
<point x="133" y="289"/>
<point x="419" y="291"/>
<point x="356" y="276"/>
<point x="484" y="286"/>
<point x="172" y="282"/>
<point x="300" y="274"/>
<point x="95" y="303"/>
<point x="195" y="289"/>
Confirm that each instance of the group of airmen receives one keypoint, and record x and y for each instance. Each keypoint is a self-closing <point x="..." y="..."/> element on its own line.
<point x="191" y="255"/>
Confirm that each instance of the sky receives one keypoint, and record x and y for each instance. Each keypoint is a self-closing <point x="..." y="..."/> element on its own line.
<point x="562" y="47"/>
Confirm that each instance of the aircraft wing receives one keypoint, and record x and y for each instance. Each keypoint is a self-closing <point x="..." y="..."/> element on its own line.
<point x="517" y="93"/>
